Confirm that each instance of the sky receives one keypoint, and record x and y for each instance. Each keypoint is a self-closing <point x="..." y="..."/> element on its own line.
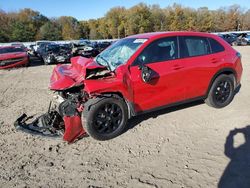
<point x="92" y="9"/>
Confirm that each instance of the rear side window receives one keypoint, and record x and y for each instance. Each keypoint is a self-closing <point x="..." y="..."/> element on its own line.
<point x="215" y="46"/>
<point x="194" y="46"/>
<point x="160" y="50"/>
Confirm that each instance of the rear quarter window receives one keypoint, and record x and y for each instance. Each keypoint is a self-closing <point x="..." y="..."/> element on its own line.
<point x="192" y="46"/>
<point x="215" y="46"/>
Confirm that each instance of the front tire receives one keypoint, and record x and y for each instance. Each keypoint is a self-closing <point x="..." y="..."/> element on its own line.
<point x="105" y="118"/>
<point x="222" y="91"/>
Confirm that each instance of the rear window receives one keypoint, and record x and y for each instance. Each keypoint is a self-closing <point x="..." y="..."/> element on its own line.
<point x="195" y="46"/>
<point x="10" y="50"/>
<point x="215" y="46"/>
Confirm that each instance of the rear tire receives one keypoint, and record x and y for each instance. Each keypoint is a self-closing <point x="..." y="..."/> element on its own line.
<point x="221" y="92"/>
<point x="105" y="118"/>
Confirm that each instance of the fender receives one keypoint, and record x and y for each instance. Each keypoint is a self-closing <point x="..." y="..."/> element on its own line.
<point x="227" y="71"/>
<point x="120" y="83"/>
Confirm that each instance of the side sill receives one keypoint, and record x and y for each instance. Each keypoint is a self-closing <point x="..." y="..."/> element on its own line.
<point x="171" y="105"/>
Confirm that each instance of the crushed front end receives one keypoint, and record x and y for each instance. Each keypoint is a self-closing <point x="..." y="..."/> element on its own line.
<point x="64" y="115"/>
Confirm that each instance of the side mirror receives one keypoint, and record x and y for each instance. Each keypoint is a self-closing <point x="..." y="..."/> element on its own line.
<point x="140" y="62"/>
<point x="146" y="74"/>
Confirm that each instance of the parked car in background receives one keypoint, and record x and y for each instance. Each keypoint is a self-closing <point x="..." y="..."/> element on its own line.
<point x="11" y="56"/>
<point x="230" y="38"/>
<point x="54" y="53"/>
<point x="102" y="45"/>
<point x="247" y="38"/>
<point x="40" y="44"/>
<point x="84" y="42"/>
<point x="31" y="50"/>
<point x="20" y="45"/>
<point x="84" y="48"/>
<point x="240" y="40"/>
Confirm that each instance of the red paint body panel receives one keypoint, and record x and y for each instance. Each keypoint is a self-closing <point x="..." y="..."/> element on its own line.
<point x="161" y="90"/>
<point x="67" y="76"/>
<point x="118" y="83"/>
<point x="73" y="128"/>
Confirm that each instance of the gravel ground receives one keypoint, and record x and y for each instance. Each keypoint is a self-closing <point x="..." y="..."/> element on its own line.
<point x="177" y="147"/>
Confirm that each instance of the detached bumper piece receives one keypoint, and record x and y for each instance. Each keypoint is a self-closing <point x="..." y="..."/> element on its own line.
<point x="48" y="124"/>
<point x="53" y="124"/>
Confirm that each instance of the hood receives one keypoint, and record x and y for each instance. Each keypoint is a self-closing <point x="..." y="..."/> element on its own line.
<point x="12" y="55"/>
<point x="71" y="75"/>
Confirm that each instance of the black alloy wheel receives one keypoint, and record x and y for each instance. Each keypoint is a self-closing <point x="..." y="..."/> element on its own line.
<point x="222" y="91"/>
<point x="108" y="118"/>
<point x="104" y="118"/>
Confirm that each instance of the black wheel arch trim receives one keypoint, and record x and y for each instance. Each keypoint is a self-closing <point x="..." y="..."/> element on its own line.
<point x="226" y="71"/>
<point x="129" y="104"/>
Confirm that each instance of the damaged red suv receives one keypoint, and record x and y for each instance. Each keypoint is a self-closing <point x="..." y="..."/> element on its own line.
<point x="142" y="73"/>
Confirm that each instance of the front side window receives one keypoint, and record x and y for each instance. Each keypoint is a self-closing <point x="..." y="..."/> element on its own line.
<point x="160" y="50"/>
<point x="194" y="46"/>
<point x="119" y="53"/>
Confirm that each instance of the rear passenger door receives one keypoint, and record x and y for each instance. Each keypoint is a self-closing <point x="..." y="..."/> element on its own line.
<point x="197" y="59"/>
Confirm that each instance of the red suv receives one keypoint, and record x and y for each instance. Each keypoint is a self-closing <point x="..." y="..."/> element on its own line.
<point x="142" y="73"/>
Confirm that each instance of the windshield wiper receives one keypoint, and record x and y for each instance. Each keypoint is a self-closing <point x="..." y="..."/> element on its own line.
<point x="107" y="63"/>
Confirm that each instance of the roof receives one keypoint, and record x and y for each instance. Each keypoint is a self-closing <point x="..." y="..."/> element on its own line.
<point x="168" y="33"/>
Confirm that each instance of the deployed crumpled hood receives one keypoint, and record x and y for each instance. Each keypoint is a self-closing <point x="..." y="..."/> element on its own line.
<point x="67" y="76"/>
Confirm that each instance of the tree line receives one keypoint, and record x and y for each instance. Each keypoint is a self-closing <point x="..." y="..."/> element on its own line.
<point x="119" y="22"/>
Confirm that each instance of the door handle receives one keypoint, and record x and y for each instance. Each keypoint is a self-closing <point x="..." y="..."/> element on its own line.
<point x="215" y="60"/>
<point x="177" y="67"/>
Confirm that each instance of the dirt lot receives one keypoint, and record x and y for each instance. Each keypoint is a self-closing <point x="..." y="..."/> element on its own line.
<point x="178" y="147"/>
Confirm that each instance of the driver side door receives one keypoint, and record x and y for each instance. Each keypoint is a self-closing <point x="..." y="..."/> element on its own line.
<point x="166" y="84"/>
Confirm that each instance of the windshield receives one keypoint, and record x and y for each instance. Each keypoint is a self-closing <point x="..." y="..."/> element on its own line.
<point x="10" y="50"/>
<point x="53" y="48"/>
<point x="119" y="53"/>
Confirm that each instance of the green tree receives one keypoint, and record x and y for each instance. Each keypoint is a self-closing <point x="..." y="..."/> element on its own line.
<point x="4" y="29"/>
<point x="21" y="31"/>
<point x="246" y="20"/>
<point x="93" y="26"/>
<point x="31" y="21"/>
<point x="103" y="29"/>
<point x="50" y="31"/>
<point x="84" y="28"/>
<point x="178" y="19"/>
<point x="191" y="19"/>
<point x="139" y="19"/>
<point x="204" y="19"/>
<point x="70" y="27"/>
<point x="115" y="21"/>
<point x="233" y="18"/>
<point x="219" y="18"/>
<point x="158" y="18"/>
